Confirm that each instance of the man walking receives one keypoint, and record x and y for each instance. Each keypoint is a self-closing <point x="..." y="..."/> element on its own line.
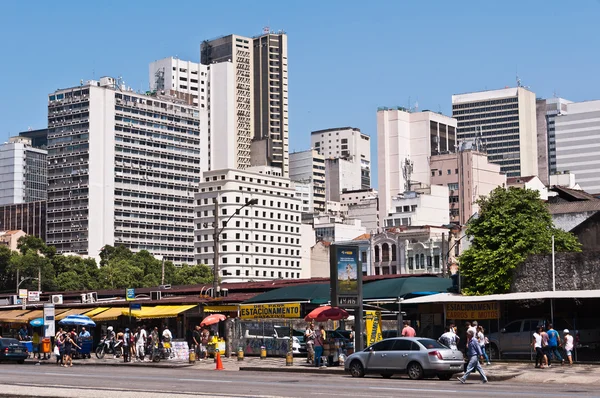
<point x="126" y="345"/>
<point x="309" y="337"/>
<point x="140" y="343"/>
<point x="473" y="353"/>
<point x="553" y="344"/>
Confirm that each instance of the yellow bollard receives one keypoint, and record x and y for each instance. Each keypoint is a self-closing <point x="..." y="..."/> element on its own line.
<point x="240" y="354"/>
<point x="263" y="352"/>
<point x="289" y="359"/>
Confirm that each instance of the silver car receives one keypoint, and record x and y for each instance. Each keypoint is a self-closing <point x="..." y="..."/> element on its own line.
<point x="416" y="356"/>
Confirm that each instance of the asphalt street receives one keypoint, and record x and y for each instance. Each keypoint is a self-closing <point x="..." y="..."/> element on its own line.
<point x="92" y="381"/>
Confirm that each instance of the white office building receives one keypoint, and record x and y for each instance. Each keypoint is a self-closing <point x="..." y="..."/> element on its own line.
<point x="123" y="168"/>
<point x="307" y="169"/>
<point x="547" y="111"/>
<point x="346" y="143"/>
<point x="23" y="172"/>
<point x="404" y="136"/>
<point x="577" y="143"/>
<point x="425" y="206"/>
<point x="260" y="242"/>
<point x="505" y="120"/>
<point x="184" y="79"/>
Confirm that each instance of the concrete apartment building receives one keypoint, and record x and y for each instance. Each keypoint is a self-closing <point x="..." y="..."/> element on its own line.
<point x="424" y="206"/>
<point x="409" y="136"/>
<point x="39" y="138"/>
<point x="23" y="172"/>
<point x="363" y="204"/>
<point x="261" y="242"/>
<point x="270" y="100"/>
<point x="307" y="168"/>
<point x="182" y="79"/>
<point x="340" y="175"/>
<point x="29" y="217"/>
<point x="547" y="110"/>
<point x="468" y="175"/>
<point x="123" y="168"/>
<point x="577" y="143"/>
<point x="505" y="120"/>
<point x="331" y="228"/>
<point x="346" y="143"/>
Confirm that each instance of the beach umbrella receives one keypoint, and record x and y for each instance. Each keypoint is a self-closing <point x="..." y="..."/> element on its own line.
<point x="37" y="322"/>
<point x="77" y="320"/>
<point x="326" y="313"/>
<point x="212" y="319"/>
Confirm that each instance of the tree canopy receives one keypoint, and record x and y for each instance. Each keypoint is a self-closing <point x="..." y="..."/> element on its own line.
<point x="119" y="269"/>
<point x="512" y="224"/>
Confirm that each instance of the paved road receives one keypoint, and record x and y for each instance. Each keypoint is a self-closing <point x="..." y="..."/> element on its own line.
<point x="136" y="382"/>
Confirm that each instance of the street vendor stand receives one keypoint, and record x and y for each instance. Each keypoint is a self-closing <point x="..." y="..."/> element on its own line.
<point x="332" y="347"/>
<point x="215" y="343"/>
<point x="85" y="345"/>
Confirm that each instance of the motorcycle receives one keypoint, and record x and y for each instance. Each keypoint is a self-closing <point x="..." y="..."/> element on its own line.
<point x="108" y="346"/>
<point x="160" y="351"/>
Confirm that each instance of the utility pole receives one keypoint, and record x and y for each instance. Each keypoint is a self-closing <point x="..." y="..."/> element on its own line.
<point x="162" y="278"/>
<point x="444" y="262"/>
<point x="216" y="248"/>
<point x="40" y="279"/>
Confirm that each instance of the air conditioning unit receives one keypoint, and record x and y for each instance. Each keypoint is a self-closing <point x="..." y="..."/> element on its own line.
<point x="84" y="298"/>
<point x="57" y="299"/>
<point x="164" y="287"/>
<point x="156" y="295"/>
<point x="14" y="300"/>
<point x="92" y="297"/>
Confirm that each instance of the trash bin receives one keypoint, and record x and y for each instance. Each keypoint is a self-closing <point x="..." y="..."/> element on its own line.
<point x="28" y="346"/>
<point x="46" y="346"/>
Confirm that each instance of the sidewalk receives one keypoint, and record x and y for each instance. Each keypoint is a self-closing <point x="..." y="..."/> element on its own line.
<point x="110" y="361"/>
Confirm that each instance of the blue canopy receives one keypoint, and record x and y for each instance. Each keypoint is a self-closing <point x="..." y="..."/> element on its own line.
<point x="37" y="322"/>
<point x="77" y="320"/>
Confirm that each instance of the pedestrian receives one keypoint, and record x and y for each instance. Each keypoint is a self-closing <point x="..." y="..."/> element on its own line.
<point x="553" y="344"/>
<point x="537" y="345"/>
<point x="36" y="342"/>
<point x="167" y="337"/>
<point x="473" y="327"/>
<point x="197" y="341"/>
<point x="84" y="335"/>
<point x="319" y="341"/>
<point x="568" y="346"/>
<point x="205" y="338"/>
<point x="119" y="344"/>
<point x="309" y="337"/>
<point x="482" y="340"/>
<point x="473" y="354"/>
<point x="126" y="338"/>
<point x="454" y="330"/>
<point x="59" y="348"/>
<point x="545" y="348"/>
<point x="448" y="338"/>
<point x="407" y="330"/>
<point x="22" y="334"/>
<point x="140" y="342"/>
<point x="68" y="350"/>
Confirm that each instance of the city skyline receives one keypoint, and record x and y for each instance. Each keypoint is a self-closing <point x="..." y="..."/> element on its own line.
<point x="344" y="88"/>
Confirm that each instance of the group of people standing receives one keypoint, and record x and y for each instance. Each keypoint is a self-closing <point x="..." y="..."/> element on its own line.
<point x="315" y="340"/>
<point x="65" y="344"/>
<point x="200" y="339"/>
<point x="547" y="345"/>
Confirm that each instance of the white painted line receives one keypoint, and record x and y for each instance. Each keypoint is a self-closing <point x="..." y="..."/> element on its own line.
<point x="207" y="380"/>
<point x="411" y="389"/>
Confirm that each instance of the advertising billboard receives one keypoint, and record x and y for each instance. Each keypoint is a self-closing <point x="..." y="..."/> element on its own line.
<point x="346" y="276"/>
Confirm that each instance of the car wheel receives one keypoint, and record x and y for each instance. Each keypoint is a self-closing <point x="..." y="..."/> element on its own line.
<point x="494" y="353"/>
<point x="356" y="369"/>
<point x="415" y="371"/>
<point x="444" y="376"/>
<point x="387" y="375"/>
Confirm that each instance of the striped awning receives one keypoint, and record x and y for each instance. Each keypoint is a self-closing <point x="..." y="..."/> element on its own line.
<point x="77" y="311"/>
<point x="95" y="311"/>
<point x="109" y="315"/>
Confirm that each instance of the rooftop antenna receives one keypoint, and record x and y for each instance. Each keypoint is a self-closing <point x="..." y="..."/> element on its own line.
<point x="417" y="105"/>
<point x="407" y="170"/>
<point x="518" y="81"/>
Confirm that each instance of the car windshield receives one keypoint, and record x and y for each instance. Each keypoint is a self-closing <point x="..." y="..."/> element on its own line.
<point x="430" y="344"/>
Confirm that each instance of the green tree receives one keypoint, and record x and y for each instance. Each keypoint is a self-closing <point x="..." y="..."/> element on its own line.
<point x="75" y="273"/>
<point x="120" y="275"/>
<point x="512" y="224"/>
<point x="7" y="274"/>
<point x="192" y="275"/>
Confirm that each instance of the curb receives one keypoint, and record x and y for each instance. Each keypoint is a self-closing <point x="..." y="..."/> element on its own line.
<point x="128" y="364"/>
<point x="501" y="377"/>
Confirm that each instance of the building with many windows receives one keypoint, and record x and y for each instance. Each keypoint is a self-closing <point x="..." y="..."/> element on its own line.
<point x="182" y="79"/>
<point x="23" y="172"/>
<point x="505" y="120"/>
<point x="547" y="110"/>
<point x="307" y="168"/>
<point x="29" y="217"/>
<point x="424" y="206"/>
<point x="259" y="242"/>
<point x="350" y="144"/>
<point x="123" y="168"/>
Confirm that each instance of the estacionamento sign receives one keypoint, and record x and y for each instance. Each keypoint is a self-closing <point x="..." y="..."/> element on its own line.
<point x="258" y="311"/>
<point x="472" y="311"/>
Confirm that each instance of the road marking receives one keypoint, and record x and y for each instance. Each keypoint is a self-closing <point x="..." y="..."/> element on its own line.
<point x="411" y="389"/>
<point x="207" y="380"/>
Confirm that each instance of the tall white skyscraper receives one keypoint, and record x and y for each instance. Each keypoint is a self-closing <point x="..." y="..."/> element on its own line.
<point x="183" y="79"/>
<point x="23" y="172"/>
<point x="409" y="137"/>
<point x="307" y="170"/>
<point x="505" y="120"/>
<point x="577" y="144"/>
<point x="123" y="168"/>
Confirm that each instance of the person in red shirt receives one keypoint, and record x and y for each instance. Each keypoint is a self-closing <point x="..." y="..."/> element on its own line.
<point x="408" y="331"/>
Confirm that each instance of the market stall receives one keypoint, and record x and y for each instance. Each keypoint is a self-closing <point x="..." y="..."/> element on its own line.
<point x="216" y="342"/>
<point x="334" y="344"/>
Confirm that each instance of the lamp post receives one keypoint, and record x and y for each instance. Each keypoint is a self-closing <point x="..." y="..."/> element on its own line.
<point x="217" y="233"/>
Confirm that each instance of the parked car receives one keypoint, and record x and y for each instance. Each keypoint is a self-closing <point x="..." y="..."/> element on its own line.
<point x="416" y="356"/>
<point x="275" y="332"/>
<point x="514" y="339"/>
<point x="12" y="350"/>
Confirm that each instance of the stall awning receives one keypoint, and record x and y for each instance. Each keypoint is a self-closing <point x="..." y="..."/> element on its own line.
<point x="109" y="315"/>
<point x="12" y="316"/>
<point x="95" y="311"/>
<point x="77" y="311"/>
<point x="220" y="308"/>
<point x="315" y="293"/>
<point x="160" y="311"/>
<point x="457" y="298"/>
<point x="404" y="287"/>
<point x="40" y="313"/>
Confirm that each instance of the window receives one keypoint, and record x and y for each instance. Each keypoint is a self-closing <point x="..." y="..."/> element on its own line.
<point x="513" y="327"/>
<point x="401" y="345"/>
<point x="385" y="345"/>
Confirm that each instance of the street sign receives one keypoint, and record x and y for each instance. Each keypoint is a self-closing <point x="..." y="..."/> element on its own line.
<point x="49" y="320"/>
<point x="33" y="296"/>
<point x="135" y="306"/>
<point x="22" y="293"/>
<point x="130" y="294"/>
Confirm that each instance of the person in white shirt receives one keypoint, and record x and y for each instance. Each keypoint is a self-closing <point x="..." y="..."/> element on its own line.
<point x="536" y="343"/>
<point x="140" y="342"/>
<point x="448" y="338"/>
<point x="481" y="341"/>
<point x="473" y="328"/>
<point x="568" y="339"/>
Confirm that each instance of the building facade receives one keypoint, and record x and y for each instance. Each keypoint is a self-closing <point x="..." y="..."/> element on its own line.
<point x="262" y="241"/>
<point x="340" y="175"/>
<point x="404" y="136"/>
<point x="308" y="168"/>
<point x="29" y="217"/>
<point x="23" y="172"/>
<point x="577" y="150"/>
<point x="505" y="120"/>
<point x="468" y="175"/>
<point x="123" y="169"/>
<point x="270" y="101"/>
<point x="425" y="206"/>
<point x="547" y="111"/>
<point x="336" y="229"/>
<point x="182" y="79"/>
<point x="39" y="138"/>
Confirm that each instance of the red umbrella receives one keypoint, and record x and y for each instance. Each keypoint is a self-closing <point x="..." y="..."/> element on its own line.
<point x="326" y="313"/>
<point x="212" y="319"/>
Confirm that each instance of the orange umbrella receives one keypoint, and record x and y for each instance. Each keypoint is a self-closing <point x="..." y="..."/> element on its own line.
<point x="326" y="313"/>
<point x="212" y="319"/>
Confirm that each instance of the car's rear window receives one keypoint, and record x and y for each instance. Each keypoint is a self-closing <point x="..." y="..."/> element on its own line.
<point x="430" y="344"/>
<point x="9" y="342"/>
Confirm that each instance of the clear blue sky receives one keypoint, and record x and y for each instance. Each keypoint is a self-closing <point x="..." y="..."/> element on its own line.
<point x="346" y="58"/>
